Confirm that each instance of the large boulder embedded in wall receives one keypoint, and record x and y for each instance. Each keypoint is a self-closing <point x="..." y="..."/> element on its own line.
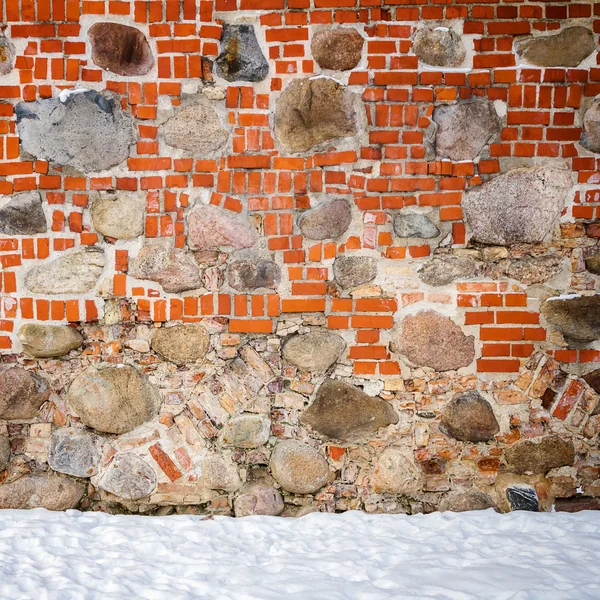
<point x="21" y="393"/>
<point x="258" y="499"/>
<point x="311" y="111"/>
<point x="7" y="55"/>
<point x="465" y="500"/>
<point x="313" y="351"/>
<point x="241" y="58"/>
<point x="590" y="135"/>
<point x="23" y="214"/>
<point x="464" y="129"/>
<point x="4" y="452"/>
<point x="246" y="431"/>
<point x="113" y="399"/>
<point x="44" y="341"/>
<point x="344" y="412"/>
<point x="352" y="271"/>
<point x="395" y="472"/>
<point x="250" y="275"/>
<point x="74" y="272"/>
<point x="565" y="49"/>
<point x="539" y="458"/>
<point x="175" y="270"/>
<point x="49" y="491"/>
<point x="415" y="225"/>
<point x="121" y="49"/>
<point x="83" y="129"/>
<point x="129" y="477"/>
<point x="469" y="417"/>
<point x="326" y="221"/>
<point x="576" y="317"/>
<point x="519" y="206"/>
<point x="74" y="451"/>
<point x="444" y="269"/>
<point x="534" y="269"/>
<point x="211" y="228"/>
<point x="181" y="344"/>
<point x="196" y="128"/>
<point x="119" y="216"/>
<point x="298" y="467"/>
<point x="429" y="339"/>
<point x="337" y="49"/>
<point x="439" y="46"/>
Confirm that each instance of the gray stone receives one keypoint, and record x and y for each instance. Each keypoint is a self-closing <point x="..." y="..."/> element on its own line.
<point x="258" y="499"/>
<point x="175" y="270"/>
<point x="313" y="351"/>
<point x="298" y="467"/>
<point x="113" y="399"/>
<point x="565" y="49"/>
<point x="74" y="272"/>
<point x="74" y="452"/>
<point x="21" y="393"/>
<point x="469" y="417"/>
<point x="439" y="46"/>
<point x="337" y="49"/>
<point x="429" y="339"/>
<point x="49" y="491"/>
<point x="4" y="452"/>
<point x="88" y="131"/>
<point x="43" y="341"/>
<point x="129" y="476"/>
<point x="530" y="270"/>
<point x="312" y="111"/>
<point x="551" y="453"/>
<point x="7" y="55"/>
<point x="344" y="412"/>
<point x="592" y="264"/>
<point x="519" y="206"/>
<point x="326" y="221"/>
<point x="590" y="135"/>
<point x="444" y="269"/>
<point x="396" y="473"/>
<point x="577" y="318"/>
<point x="247" y="431"/>
<point x="181" y="344"/>
<point x="464" y="129"/>
<point x="522" y="497"/>
<point x="250" y="275"/>
<point x="119" y="216"/>
<point x="352" y="271"/>
<point x="197" y="128"/>
<point x="219" y="472"/>
<point x="462" y="501"/>
<point x="211" y="228"/>
<point x="241" y="58"/>
<point x="414" y="225"/>
<point x="23" y="215"/>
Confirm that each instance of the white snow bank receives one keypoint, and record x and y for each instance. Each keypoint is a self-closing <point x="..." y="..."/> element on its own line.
<point x="478" y="555"/>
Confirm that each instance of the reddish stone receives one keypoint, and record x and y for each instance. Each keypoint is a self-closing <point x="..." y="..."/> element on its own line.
<point x="164" y="462"/>
<point x="568" y="400"/>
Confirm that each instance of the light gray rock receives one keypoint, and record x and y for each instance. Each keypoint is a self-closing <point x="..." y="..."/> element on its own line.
<point x="395" y="472"/>
<point x="444" y="269"/>
<point x="7" y="55"/>
<point x="241" y="58"/>
<point x="469" y="417"/>
<point x="590" y="135"/>
<point x="43" y="341"/>
<point x="181" y="344"/>
<point x="539" y="458"/>
<point x="23" y="215"/>
<point x="129" y="476"/>
<point x="352" y="271"/>
<point x="439" y="46"/>
<point x="298" y="467"/>
<point x="313" y="351"/>
<point x="565" y="49"/>
<point x="326" y="221"/>
<point x="74" y="451"/>
<point x="88" y="131"/>
<point x="74" y="272"/>
<point x="119" y="216"/>
<point x="337" y="49"/>
<point x="414" y="225"/>
<point x="4" y="452"/>
<point x="258" y="499"/>
<point x="21" y="393"/>
<point x="577" y="318"/>
<point x="219" y="472"/>
<point x="211" y="228"/>
<point x="247" y="431"/>
<point x="250" y="275"/>
<point x="47" y="490"/>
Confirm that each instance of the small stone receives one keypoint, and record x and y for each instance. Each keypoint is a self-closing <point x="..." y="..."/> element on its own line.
<point x="551" y="453"/>
<point x="337" y="49"/>
<point x="213" y="92"/>
<point x="439" y="46"/>
<point x="121" y="49"/>
<point x="49" y="491"/>
<point x="181" y="344"/>
<point x="113" y="399"/>
<point x="326" y="221"/>
<point x="4" y="452"/>
<point x="258" y="499"/>
<point x="197" y="128"/>
<point x="565" y="49"/>
<point x="213" y="279"/>
<point x="75" y="272"/>
<point x="74" y="452"/>
<point x="344" y="412"/>
<point x="522" y="497"/>
<point x="129" y="477"/>
<point x="469" y="418"/>
<point x="175" y="270"/>
<point x="519" y="206"/>
<point x="43" y="341"/>
<point x="530" y="270"/>
<point x="577" y="318"/>
<point x="414" y="225"/>
<point x="211" y="228"/>
<point x="592" y="264"/>
<point x="352" y="271"/>
<point x="247" y="431"/>
<point x="590" y="135"/>
<point x="312" y="111"/>
<point x="593" y="380"/>
<point x="21" y="394"/>
<point x="250" y="275"/>
<point x="23" y="214"/>
<point x="298" y="467"/>
<point x="7" y="55"/>
<point x="464" y="129"/>
<point x="462" y="501"/>
<point x="444" y="269"/>
<point x="396" y="473"/>
<point x="314" y="351"/>
<point x="119" y="216"/>
<point x="220" y="473"/>
<point x="241" y="58"/>
<point x="429" y="339"/>
<point x="86" y="130"/>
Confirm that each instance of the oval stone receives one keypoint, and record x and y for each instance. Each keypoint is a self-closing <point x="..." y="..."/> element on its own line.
<point x="250" y="275"/>
<point x="43" y="341"/>
<point x="337" y="49"/>
<point x="48" y="490"/>
<point x="352" y="271"/>
<point x="181" y="344"/>
<point x="469" y="417"/>
<point x="74" y="452"/>
<point x="21" y="393"/>
<point x="247" y="431"/>
<point x="314" y="351"/>
<point x="298" y="467"/>
<point x="120" y="217"/>
<point x="326" y="221"/>
<point x="129" y="476"/>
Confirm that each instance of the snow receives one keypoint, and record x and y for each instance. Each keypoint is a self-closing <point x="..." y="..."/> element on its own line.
<point x="477" y="555"/>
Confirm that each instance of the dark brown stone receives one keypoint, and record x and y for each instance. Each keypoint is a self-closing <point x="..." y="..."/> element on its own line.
<point x="21" y="393"/>
<point x="469" y="418"/>
<point x="593" y="380"/>
<point x="576" y="504"/>
<point x="337" y="49"/>
<point x="462" y="501"/>
<point x="577" y="318"/>
<point x="551" y="453"/>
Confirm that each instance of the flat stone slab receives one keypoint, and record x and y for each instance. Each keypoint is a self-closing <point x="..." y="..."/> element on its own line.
<point x="565" y="49"/>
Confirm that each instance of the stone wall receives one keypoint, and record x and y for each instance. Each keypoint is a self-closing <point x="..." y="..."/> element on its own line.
<point x="276" y="256"/>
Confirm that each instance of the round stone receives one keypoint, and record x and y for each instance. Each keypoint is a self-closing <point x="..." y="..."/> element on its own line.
<point x="119" y="216"/>
<point x="181" y="344"/>
<point x="43" y="341"/>
<point x="329" y="220"/>
<point x="577" y="318"/>
<point x="396" y="473"/>
<point x="337" y="49"/>
<point x="47" y="490"/>
<point x="352" y="271"/>
<point x="241" y="58"/>
<point x="258" y="499"/>
<point x="4" y="452"/>
<point x="298" y="467"/>
<point x="129" y="477"/>
<point x="439" y="46"/>
<point x="250" y="275"/>
<point x="219" y="472"/>
<point x="22" y="214"/>
<point x="414" y="225"/>
<point x="539" y="458"/>
<point x="314" y="351"/>
<point x="74" y="452"/>
<point x="565" y="49"/>
<point x="469" y="417"/>
<point x="21" y="394"/>
<point x="247" y="431"/>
